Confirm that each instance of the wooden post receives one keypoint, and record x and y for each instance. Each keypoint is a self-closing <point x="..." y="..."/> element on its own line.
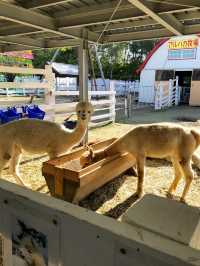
<point x="125" y="106"/>
<point x="158" y="97"/>
<point x="129" y="104"/>
<point x="50" y="92"/>
<point x="83" y="71"/>
<point x="170" y="93"/>
<point x="83" y="76"/>
<point x="177" y="97"/>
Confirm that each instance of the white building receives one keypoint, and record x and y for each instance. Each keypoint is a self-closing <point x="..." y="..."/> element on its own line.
<point x="177" y="56"/>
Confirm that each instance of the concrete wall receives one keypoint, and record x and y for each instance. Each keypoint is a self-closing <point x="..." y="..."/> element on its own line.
<point x="78" y="237"/>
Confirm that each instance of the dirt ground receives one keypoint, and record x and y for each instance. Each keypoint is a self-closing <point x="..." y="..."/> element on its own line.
<point x="114" y="198"/>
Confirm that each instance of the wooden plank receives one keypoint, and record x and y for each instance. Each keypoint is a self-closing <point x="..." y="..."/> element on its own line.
<point x="66" y="93"/>
<point x="94" y="93"/>
<point x="110" y="168"/>
<point x="58" y="184"/>
<point x="21" y="85"/>
<point x="76" y="93"/>
<point x="103" y="175"/>
<point x="101" y="116"/>
<point x="97" y="165"/>
<point x="22" y="70"/>
<point x="101" y="102"/>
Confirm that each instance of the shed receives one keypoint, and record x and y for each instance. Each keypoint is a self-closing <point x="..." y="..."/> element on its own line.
<point x="171" y="58"/>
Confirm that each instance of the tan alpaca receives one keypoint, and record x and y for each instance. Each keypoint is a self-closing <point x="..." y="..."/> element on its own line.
<point x="36" y="136"/>
<point x="157" y="141"/>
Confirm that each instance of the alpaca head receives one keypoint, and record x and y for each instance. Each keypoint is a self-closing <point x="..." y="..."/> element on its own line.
<point x="84" y="110"/>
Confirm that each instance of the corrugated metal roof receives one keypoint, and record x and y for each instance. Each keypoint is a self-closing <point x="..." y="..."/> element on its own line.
<point x="57" y="23"/>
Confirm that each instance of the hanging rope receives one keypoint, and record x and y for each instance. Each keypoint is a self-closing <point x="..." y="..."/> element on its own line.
<point x="54" y="56"/>
<point x="109" y="21"/>
<point x="100" y="36"/>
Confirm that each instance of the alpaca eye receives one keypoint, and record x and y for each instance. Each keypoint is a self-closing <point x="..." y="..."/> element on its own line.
<point x="79" y="112"/>
<point x="89" y="112"/>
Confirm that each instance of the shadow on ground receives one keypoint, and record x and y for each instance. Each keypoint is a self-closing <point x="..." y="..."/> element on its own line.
<point x="145" y="115"/>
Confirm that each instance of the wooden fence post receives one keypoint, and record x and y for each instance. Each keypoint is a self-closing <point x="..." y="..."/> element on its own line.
<point x="50" y="92"/>
<point x="112" y="99"/>
<point x="170" y="92"/>
<point x="129" y="104"/>
<point x="158" y="97"/>
<point x="177" y="93"/>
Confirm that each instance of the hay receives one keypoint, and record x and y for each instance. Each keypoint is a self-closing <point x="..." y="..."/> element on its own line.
<point x="114" y="198"/>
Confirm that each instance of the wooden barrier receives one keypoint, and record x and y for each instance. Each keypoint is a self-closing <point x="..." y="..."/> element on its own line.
<point x="155" y="231"/>
<point x="105" y="108"/>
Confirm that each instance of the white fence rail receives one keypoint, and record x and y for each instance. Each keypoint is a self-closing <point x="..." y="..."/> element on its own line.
<point x="104" y="105"/>
<point x="168" y="96"/>
<point x="121" y="87"/>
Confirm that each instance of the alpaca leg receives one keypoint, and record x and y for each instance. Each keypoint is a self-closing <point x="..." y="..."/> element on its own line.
<point x="196" y="160"/>
<point x="178" y="174"/>
<point x="188" y="173"/>
<point x="14" y="166"/>
<point x="140" y="170"/>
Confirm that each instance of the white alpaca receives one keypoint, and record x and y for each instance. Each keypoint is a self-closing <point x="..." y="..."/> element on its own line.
<point x="37" y="136"/>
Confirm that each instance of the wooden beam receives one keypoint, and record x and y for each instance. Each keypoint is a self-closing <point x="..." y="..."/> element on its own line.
<point x="62" y="43"/>
<point x="137" y="36"/>
<point x="35" y="4"/>
<point x="148" y="34"/>
<point x="187" y="3"/>
<point x="32" y="43"/>
<point x="102" y="14"/>
<point x="35" y="20"/>
<point x="143" y="22"/>
<point x="167" y="22"/>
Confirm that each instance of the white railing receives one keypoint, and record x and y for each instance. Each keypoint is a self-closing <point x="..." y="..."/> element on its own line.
<point x="121" y="87"/>
<point x="167" y="97"/>
<point x="104" y="104"/>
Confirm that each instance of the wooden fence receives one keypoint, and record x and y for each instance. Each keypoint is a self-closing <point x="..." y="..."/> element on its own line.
<point x="167" y="94"/>
<point x="103" y="101"/>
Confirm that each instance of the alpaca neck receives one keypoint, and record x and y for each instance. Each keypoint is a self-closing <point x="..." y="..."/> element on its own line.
<point x="79" y="132"/>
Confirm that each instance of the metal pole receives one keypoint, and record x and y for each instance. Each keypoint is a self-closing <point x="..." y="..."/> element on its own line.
<point x="83" y="77"/>
<point x="83" y="71"/>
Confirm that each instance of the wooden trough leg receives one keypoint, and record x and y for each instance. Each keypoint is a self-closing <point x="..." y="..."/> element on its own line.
<point x="59" y="186"/>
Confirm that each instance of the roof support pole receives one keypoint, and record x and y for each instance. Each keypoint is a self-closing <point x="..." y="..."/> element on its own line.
<point x="83" y="77"/>
<point x="83" y="71"/>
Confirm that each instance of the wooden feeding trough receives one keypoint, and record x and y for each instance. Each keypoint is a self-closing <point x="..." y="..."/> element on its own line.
<point x="66" y="179"/>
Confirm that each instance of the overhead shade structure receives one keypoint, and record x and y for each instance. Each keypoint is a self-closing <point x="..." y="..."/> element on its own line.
<point x="54" y="23"/>
<point x="29" y="25"/>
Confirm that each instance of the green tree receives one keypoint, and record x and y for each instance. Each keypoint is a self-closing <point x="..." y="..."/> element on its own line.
<point x="65" y="55"/>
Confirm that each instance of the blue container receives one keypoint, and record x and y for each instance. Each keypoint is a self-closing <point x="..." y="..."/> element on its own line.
<point x="35" y="112"/>
<point x="9" y="115"/>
